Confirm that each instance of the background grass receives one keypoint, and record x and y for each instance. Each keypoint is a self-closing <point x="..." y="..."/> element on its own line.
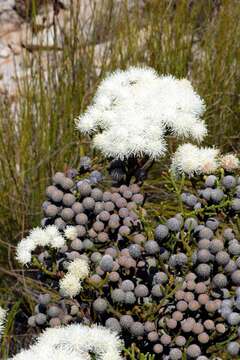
<point x="197" y="39"/>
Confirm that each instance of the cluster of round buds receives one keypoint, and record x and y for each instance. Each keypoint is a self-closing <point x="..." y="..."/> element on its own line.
<point x="230" y="311"/>
<point x="199" y="283"/>
<point x="129" y="272"/>
<point x="216" y="190"/>
<point x="131" y="280"/>
<point x="216" y="258"/>
<point x="193" y="313"/>
<point x="98" y="219"/>
<point x="60" y="198"/>
<point x="50" y="313"/>
<point x="129" y="285"/>
<point x="147" y="289"/>
<point x="62" y="194"/>
<point x="203" y="293"/>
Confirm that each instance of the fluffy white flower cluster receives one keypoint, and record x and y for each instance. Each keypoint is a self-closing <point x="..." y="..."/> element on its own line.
<point x="133" y="110"/>
<point x="70" y="284"/>
<point x="49" y="236"/>
<point x="192" y="160"/>
<point x="74" y="342"/>
<point x="229" y="162"/>
<point x="3" y="314"/>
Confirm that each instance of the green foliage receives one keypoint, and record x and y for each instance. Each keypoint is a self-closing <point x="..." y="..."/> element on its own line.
<point x="133" y="354"/>
<point x="9" y="329"/>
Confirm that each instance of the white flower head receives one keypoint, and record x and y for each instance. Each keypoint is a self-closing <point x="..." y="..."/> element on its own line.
<point x="133" y="109"/>
<point x="79" y="268"/>
<point x="229" y="162"/>
<point x="23" y="256"/>
<point x="70" y="285"/>
<point x="50" y="236"/>
<point x="3" y="315"/>
<point x="71" y="232"/>
<point x="52" y="231"/>
<point x="74" y="342"/>
<point x="24" y="250"/>
<point x="57" y="242"/>
<point x="190" y="160"/>
<point x="39" y="236"/>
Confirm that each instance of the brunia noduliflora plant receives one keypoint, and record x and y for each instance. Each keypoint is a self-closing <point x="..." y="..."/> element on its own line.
<point x="74" y="342"/>
<point x="134" y="110"/>
<point x="99" y="236"/>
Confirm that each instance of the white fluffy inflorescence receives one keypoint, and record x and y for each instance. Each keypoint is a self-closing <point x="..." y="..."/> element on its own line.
<point x="74" y="342"/>
<point x="3" y="314"/>
<point x="133" y="110"/>
<point x="192" y="160"/>
<point x="70" y="284"/>
<point x="50" y="236"/>
<point x="229" y="162"/>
